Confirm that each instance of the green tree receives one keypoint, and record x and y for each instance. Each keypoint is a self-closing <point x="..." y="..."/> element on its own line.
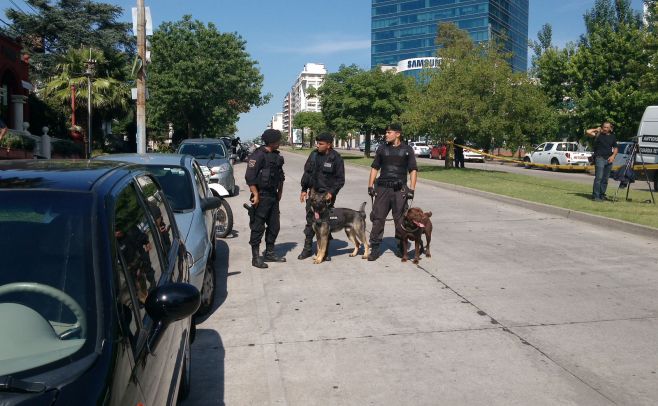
<point x="354" y="100"/>
<point x="57" y="26"/>
<point x="109" y="95"/>
<point x="201" y="80"/>
<point x="474" y="93"/>
<point x="309" y="119"/>
<point x="609" y="68"/>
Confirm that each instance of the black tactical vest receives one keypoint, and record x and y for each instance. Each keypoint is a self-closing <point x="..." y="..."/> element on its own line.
<point x="271" y="175"/>
<point x="394" y="162"/>
<point x="322" y="176"/>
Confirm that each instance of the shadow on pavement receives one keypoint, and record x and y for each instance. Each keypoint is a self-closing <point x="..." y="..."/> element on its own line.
<point x="284" y="248"/>
<point x="221" y="278"/>
<point x="208" y="355"/>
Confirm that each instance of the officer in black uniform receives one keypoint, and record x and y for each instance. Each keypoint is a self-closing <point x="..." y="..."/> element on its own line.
<point x="324" y="172"/>
<point x="459" y="151"/>
<point x="265" y="178"/>
<point x="390" y="190"/>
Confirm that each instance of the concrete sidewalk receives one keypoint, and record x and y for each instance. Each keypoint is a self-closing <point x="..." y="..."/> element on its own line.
<point x="514" y="307"/>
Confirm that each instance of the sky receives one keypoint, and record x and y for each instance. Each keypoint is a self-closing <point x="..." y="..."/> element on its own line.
<point x="282" y="36"/>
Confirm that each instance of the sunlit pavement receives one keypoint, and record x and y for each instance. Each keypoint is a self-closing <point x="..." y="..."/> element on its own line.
<point x="515" y="307"/>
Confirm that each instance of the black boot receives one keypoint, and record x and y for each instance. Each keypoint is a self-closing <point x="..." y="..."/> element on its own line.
<point x="374" y="252"/>
<point x="256" y="259"/>
<point x="270" y="256"/>
<point x="307" y="250"/>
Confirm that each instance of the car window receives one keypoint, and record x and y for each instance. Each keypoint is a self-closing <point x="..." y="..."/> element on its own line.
<point x="47" y="283"/>
<point x="204" y="151"/>
<point x="561" y="147"/>
<point x="549" y="146"/>
<point x="200" y="181"/>
<point x="137" y="255"/>
<point x="176" y="184"/>
<point x="572" y="147"/>
<point x="159" y="212"/>
<point x="540" y="147"/>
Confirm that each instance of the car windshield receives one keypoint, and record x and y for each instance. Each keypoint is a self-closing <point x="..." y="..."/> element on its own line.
<point x="47" y="288"/>
<point x="176" y="184"/>
<point x="204" y="151"/>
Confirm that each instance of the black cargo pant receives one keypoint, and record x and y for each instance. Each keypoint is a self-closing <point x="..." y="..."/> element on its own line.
<point x="459" y="158"/>
<point x="310" y="216"/>
<point x="267" y="213"/>
<point x="387" y="199"/>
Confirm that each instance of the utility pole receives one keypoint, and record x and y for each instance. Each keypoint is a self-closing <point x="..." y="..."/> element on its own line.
<point x="141" y="78"/>
<point x="91" y="66"/>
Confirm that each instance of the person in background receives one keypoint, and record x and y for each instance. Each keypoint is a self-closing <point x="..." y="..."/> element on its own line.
<point x="605" y="151"/>
<point x="459" y="152"/>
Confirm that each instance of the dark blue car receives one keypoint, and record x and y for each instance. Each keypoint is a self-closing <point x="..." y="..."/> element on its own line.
<point x="95" y="307"/>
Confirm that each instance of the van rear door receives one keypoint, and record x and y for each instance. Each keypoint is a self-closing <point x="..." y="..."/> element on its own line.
<point x="647" y="136"/>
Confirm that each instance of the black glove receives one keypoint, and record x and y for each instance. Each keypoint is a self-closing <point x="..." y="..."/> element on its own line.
<point x="371" y="191"/>
<point x="410" y="194"/>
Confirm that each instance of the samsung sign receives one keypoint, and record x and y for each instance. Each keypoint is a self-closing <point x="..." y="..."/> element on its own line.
<point x="418" y="63"/>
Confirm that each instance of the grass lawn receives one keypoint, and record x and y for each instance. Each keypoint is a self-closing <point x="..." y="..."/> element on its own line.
<point x="560" y="193"/>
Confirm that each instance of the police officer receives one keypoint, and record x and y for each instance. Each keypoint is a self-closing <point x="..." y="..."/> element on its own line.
<point x="265" y="178"/>
<point x="393" y="161"/>
<point x="324" y="172"/>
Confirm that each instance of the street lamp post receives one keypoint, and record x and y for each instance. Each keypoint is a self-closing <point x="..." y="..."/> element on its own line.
<point x="91" y="67"/>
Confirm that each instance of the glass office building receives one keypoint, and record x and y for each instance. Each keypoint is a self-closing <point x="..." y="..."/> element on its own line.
<point x="405" y="29"/>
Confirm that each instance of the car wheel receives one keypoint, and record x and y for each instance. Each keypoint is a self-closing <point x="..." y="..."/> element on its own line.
<point x="527" y="161"/>
<point x="186" y="375"/>
<point x="555" y="163"/>
<point x="224" y="224"/>
<point x="207" y="289"/>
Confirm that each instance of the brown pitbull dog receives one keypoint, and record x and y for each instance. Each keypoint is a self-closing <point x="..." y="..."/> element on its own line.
<point x="414" y="224"/>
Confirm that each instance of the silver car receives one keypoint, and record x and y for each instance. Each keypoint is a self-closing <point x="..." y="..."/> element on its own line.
<point x="211" y="152"/>
<point x="195" y="210"/>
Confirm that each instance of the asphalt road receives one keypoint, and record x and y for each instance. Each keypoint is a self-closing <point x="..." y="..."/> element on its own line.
<point x="514" y="308"/>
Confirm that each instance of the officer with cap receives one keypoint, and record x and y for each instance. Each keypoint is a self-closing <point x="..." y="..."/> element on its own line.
<point x="393" y="161"/>
<point x="324" y="172"/>
<point x="265" y="178"/>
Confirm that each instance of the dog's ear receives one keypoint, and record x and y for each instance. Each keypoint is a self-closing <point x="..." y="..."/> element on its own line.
<point x="428" y="214"/>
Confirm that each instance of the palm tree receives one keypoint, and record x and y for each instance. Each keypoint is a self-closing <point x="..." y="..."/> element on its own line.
<point x="110" y="96"/>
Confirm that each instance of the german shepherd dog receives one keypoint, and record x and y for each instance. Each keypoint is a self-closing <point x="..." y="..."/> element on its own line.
<point x="414" y="224"/>
<point x="328" y="220"/>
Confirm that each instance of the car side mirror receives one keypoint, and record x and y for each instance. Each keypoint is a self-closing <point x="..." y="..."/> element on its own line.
<point x="167" y="304"/>
<point x="210" y="203"/>
<point x="172" y="302"/>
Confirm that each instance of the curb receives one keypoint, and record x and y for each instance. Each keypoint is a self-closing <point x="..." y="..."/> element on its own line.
<point x="621" y="225"/>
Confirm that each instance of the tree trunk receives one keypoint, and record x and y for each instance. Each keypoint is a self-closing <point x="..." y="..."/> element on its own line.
<point x="189" y="130"/>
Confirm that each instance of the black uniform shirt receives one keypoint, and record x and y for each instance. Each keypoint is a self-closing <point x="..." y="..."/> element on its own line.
<point x="603" y="145"/>
<point x="328" y="174"/>
<point x="258" y="162"/>
<point x="394" y="162"/>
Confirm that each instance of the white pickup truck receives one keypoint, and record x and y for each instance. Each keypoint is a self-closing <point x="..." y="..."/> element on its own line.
<point x="559" y="153"/>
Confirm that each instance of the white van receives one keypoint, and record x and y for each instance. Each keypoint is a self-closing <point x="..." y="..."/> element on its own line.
<point x="647" y="138"/>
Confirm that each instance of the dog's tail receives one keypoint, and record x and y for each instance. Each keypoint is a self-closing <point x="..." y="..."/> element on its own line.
<point x="362" y="210"/>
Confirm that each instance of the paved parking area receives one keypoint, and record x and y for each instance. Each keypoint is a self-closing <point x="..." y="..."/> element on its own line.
<point x="515" y="307"/>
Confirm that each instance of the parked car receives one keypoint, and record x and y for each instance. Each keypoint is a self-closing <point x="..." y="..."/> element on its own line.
<point x="195" y="209"/>
<point x="473" y="156"/>
<point x="559" y="153"/>
<point x="373" y="146"/>
<point x="211" y="152"/>
<point x="94" y="295"/>
<point x="420" y="149"/>
<point x="438" y="152"/>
